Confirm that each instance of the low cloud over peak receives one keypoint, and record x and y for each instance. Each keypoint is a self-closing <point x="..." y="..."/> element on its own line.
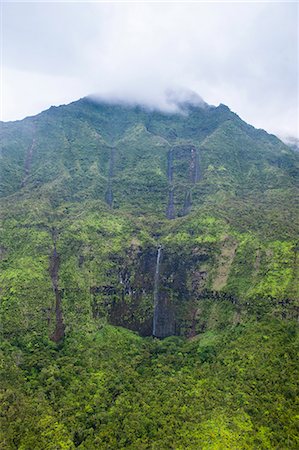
<point x="169" y="100"/>
<point x="241" y="54"/>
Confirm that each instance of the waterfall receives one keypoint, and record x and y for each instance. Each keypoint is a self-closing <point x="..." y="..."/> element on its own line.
<point x="170" y="166"/>
<point x="109" y="195"/>
<point x="196" y="169"/>
<point x="187" y="203"/>
<point x="156" y="290"/>
<point x="170" y="213"/>
<point x="194" y="166"/>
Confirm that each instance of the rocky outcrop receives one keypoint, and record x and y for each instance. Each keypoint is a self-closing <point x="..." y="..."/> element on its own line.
<point x="170" y="212"/>
<point x="154" y="294"/>
<point x="186" y="160"/>
<point x="187" y="203"/>
<point x="194" y="165"/>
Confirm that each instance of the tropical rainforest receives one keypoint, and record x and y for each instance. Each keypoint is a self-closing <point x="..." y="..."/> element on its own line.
<point x="149" y="266"/>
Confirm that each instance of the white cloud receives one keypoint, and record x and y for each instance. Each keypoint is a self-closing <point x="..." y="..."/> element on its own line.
<point x="244" y="55"/>
<point x="28" y="93"/>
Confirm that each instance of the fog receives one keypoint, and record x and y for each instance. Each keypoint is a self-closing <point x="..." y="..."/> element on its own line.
<point x="244" y="55"/>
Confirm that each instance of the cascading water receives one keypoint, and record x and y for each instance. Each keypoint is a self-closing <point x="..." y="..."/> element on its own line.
<point x="196" y="169"/>
<point x="170" y="213"/>
<point x="156" y="290"/>
<point x="170" y="166"/>
<point x="187" y="203"/>
<point x="194" y="166"/>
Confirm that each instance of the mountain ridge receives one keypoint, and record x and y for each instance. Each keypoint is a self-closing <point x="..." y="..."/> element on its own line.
<point x="160" y="168"/>
<point x="149" y="281"/>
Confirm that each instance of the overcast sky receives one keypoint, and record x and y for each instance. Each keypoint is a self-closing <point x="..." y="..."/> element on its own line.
<point x="242" y="54"/>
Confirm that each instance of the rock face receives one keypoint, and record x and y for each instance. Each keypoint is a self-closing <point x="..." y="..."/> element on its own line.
<point x="170" y="213"/>
<point x="194" y="166"/>
<point x="163" y="320"/>
<point x="186" y="160"/>
<point x="109" y="195"/>
<point x="187" y="203"/>
<point x="154" y="292"/>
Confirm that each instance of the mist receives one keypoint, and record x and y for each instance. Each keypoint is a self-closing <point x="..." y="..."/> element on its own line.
<point x="244" y="55"/>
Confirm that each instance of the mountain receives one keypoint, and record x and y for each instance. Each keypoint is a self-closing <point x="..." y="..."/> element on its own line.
<point x="179" y="225"/>
<point x="292" y="142"/>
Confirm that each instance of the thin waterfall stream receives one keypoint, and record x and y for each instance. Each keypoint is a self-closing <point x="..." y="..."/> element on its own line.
<point x="156" y="290"/>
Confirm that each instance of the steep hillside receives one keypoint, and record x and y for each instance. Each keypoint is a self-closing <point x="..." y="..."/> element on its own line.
<point x="93" y="187"/>
<point x="182" y="225"/>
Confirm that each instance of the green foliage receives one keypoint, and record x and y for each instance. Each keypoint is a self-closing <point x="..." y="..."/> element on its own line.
<point x="229" y="277"/>
<point x="113" y="389"/>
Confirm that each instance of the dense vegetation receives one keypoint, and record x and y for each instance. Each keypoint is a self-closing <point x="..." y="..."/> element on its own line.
<point x="89" y="192"/>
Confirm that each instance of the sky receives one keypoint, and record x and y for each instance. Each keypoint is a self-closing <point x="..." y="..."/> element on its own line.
<point x="242" y="54"/>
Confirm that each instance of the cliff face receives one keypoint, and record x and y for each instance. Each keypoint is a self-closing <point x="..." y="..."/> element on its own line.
<point x="118" y="182"/>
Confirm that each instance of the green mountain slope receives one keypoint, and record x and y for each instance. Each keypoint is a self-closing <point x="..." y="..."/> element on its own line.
<point x="91" y="194"/>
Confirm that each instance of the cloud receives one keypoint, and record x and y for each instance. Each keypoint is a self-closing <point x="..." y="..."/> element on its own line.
<point x="241" y="54"/>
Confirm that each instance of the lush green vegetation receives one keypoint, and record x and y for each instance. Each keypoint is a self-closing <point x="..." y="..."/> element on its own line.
<point x="110" y="388"/>
<point x="84" y="193"/>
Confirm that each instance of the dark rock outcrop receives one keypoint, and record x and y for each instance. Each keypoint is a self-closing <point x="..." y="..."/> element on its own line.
<point x="170" y="212"/>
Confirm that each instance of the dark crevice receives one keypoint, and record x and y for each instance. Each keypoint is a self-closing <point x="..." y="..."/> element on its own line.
<point x="187" y="203"/>
<point x="170" y="166"/>
<point x="109" y="195"/>
<point x="163" y="318"/>
<point x="194" y="166"/>
<point x="181" y="152"/>
<point x="170" y="213"/>
<point x="156" y="293"/>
